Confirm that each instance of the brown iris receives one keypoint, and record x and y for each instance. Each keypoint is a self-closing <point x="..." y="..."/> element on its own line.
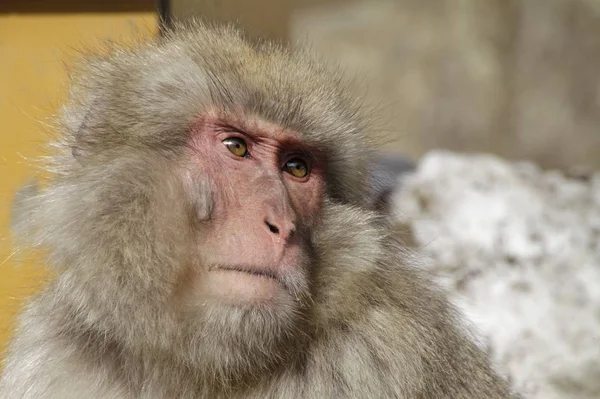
<point x="236" y="146"/>
<point x="296" y="167"/>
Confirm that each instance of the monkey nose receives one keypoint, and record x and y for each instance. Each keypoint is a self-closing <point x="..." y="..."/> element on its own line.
<point x="281" y="227"/>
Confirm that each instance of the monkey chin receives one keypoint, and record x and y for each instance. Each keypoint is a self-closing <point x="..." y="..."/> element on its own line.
<point x="261" y="280"/>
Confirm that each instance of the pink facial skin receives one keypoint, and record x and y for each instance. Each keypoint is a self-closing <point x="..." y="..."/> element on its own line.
<point x="257" y="254"/>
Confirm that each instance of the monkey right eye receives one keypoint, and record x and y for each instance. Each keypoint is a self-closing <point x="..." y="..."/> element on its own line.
<point x="236" y="146"/>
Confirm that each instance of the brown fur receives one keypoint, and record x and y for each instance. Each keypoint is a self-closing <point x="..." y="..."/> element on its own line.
<point x="373" y="326"/>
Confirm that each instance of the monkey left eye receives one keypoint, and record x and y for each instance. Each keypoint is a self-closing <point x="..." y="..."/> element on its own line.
<point x="236" y="146"/>
<point x="296" y="167"/>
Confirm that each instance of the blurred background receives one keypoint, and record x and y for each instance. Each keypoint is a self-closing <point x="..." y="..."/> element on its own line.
<point x="516" y="78"/>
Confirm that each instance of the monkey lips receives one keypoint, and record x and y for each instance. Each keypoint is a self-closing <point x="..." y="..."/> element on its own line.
<point x="243" y="283"/>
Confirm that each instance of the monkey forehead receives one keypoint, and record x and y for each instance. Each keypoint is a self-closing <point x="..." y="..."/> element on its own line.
<point x="292" y="89"/>
<point x="254" y="126"/>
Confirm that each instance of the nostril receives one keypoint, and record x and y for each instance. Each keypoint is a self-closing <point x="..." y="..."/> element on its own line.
<point x="272" y="228"/>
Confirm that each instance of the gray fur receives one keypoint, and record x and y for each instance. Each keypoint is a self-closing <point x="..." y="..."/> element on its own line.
<point x="117" y="234"/>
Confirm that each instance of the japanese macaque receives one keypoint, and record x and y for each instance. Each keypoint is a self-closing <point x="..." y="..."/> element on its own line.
<point x="209" y="227"/>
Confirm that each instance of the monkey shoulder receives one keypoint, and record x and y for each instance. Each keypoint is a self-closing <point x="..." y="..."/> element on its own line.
<point x="43" y="362"/>
<point x="392" y="320"/>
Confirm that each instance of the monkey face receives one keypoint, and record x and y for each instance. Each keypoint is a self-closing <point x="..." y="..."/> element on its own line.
<point x="267" y="190"/>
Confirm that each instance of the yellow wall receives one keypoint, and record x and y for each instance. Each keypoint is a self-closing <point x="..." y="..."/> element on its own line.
<point x="33" y="48"/>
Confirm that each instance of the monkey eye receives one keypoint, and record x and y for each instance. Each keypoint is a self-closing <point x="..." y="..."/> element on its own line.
<point x="296" y="167"/>
<point x="236" y="146"/>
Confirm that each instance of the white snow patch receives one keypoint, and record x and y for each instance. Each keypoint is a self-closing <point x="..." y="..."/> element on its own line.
<point x="519" y="249"/>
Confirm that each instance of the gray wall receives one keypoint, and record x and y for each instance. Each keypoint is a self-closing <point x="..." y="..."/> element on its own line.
<point x="519" y="78"/>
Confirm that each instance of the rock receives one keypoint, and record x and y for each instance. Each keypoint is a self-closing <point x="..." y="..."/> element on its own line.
<point x="515" y="78"/>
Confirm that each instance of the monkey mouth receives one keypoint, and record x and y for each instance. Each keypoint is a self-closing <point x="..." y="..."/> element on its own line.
<point x="254" y="271"/>
<point x="244" y="284"/>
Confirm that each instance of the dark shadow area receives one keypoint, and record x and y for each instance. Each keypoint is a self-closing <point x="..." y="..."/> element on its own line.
<point x="75" y="6"/>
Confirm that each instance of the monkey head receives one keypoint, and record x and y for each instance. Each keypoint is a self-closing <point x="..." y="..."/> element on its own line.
<point x="192" y="184"/>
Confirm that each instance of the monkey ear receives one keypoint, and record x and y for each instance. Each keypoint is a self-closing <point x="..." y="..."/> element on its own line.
<point x="384" y="177"/>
